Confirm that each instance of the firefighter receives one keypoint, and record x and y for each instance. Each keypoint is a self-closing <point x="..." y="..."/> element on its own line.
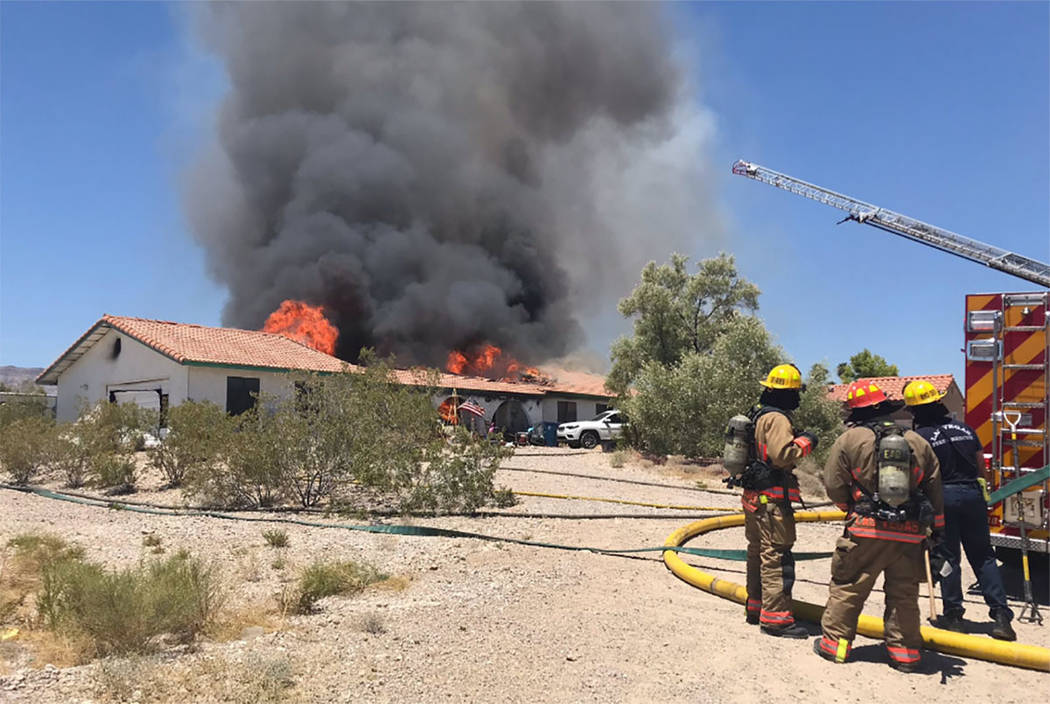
<point x="769" y="488"/>
<point x="964" y="477"/>
<point x="888" y="482"/>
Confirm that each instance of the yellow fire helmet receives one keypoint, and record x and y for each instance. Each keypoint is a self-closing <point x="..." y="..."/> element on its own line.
<point x="921" y="392"/>
<point x="783" y="376"/>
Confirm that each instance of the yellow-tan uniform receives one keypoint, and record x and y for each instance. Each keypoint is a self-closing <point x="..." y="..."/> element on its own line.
<point x="769" y="523"/>
<point x="870" y="547"/>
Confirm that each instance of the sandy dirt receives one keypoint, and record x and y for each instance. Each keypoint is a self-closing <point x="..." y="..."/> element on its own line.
<point x="475" y="621"/>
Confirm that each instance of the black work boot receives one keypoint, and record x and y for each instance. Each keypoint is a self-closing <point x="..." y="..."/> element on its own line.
<point x="792" y="630"/>
<point x="907" y="667"/>
<point x="825" y="654"/>
<point x="752" y="617"/>
<point x="1002" y="630"/>
<point x="951" y="621"/>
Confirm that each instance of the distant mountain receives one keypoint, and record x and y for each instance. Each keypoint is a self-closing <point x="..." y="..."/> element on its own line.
<point x="19" y="378"/>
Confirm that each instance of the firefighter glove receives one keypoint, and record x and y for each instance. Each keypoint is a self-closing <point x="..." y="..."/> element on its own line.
<point x="807" y="442"/>
<point x="939" y="565"/>
<point x="984" y="489"/>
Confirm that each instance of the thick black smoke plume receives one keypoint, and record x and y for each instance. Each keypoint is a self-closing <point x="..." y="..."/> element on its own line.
<point x="435" y="174"/>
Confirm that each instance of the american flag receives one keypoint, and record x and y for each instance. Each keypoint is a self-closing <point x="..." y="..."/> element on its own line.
<point x="471" y="407"/>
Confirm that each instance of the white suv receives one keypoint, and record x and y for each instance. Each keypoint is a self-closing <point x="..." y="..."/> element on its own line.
<point x="606" y="426"/>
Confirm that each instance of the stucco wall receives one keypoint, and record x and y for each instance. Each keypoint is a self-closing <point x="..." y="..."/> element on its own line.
<point x="585" y="407"/>
<point x="91" y="378"/>
<point x="209" y="383"/>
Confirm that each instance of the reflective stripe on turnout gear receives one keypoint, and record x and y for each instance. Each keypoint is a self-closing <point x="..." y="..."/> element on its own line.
<point x="754" y="604"/>
<point x="840" y="649"/>
<point x="903" y="654"/>
<point x="804" y="444"/>
<point x="900" y="532"/>
<point x="777" y="618"/>
<point x="751" y="499"/>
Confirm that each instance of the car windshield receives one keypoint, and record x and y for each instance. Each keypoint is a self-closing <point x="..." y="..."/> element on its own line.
<point x="604" y="415"/>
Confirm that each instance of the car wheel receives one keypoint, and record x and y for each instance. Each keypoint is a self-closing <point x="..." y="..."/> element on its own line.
<point x="589" y="439"/>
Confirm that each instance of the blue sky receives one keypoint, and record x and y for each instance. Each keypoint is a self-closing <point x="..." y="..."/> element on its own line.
<point x="937" y="110"/>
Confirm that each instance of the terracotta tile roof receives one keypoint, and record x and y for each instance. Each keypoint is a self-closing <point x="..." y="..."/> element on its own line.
<point x="199" y="344"/>
<point x="893" y="386"/>
<point x="561" y="382"/>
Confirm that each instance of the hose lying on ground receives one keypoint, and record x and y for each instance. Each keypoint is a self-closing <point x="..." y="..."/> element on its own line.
<point x="1029" y="656"/>
<point x="419" y="531"/>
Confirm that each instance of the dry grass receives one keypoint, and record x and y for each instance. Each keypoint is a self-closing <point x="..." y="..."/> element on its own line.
<point x="45" y="647"/>
<point x="396" y="583"/>
<point x="254" y="678"/>
<point x="372" y="623"/>
<point x="231" y="622"/>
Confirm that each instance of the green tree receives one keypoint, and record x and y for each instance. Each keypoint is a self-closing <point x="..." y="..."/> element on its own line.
<point x="683" y="408"/>
<point x="677" y="314"/>
<point x="865" y="365"/>
<point x="817" y="413"/>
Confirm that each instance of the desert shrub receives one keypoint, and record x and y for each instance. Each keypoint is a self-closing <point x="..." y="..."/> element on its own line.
<point x="68" y="456"/>
<point x="27" y="407"/>
<point x="198" y="435"/>
<point x="618" y="459"/>
<point x="322" y="579"/>
<point x="255" y="465"/>
<point x="276" y="538"/>
<point x="24" y="443"/>
<point x="125" y="611"/>
<point x="455" y="477"/>
<point x="344" y="437"/>
<point x="105" y="438"/>
<point x="113" y="471"/>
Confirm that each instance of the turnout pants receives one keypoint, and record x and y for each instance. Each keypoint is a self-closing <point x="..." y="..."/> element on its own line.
<point x="855" y="566"/>
<point x="770" y="531"/>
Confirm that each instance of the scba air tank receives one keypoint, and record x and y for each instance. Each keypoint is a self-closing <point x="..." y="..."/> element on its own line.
<point x="894" y="463"/>
<point x="738" y="442"/>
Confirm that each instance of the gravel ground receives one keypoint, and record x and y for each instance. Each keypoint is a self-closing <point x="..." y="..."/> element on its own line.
<point x="474" y="621"/>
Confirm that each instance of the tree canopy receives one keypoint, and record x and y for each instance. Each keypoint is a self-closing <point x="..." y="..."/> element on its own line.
<point x="865" y="365"/>
<point x="677" y="314"/>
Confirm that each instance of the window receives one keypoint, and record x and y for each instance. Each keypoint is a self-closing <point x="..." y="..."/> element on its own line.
<point x="615" y="418"/>
<point x="566" y="411"/>
<point x="241" y="394"/>
<point x="600" y="408"/>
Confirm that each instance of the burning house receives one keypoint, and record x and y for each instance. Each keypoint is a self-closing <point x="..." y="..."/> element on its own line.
<point x="158" y="364"/>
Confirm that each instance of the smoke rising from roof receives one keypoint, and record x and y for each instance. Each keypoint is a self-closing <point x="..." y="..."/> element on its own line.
<point x="438" y="175"/>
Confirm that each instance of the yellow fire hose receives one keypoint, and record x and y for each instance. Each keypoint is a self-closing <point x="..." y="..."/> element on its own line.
<point x="1029" y="656"/>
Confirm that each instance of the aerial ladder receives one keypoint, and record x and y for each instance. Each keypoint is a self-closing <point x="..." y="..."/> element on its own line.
<point x="937" y="237"/>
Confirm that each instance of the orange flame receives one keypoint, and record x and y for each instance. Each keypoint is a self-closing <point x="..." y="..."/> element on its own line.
<point x="304" y="323"/>
<point x="489" y="361"/>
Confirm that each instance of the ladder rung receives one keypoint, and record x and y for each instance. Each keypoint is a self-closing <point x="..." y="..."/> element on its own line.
<point x="1030" y="431"/>
<point x="1023" y="404"/>
<point x="1024" y="328"/>
<point x="1021" y="443"/>
<point x="1023" y="366"/>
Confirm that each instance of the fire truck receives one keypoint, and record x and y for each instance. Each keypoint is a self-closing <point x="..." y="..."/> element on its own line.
<point x="1007" y="364"/>
<point x="1007" y="369"/>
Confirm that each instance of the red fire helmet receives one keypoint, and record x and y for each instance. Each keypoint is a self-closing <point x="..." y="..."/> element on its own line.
<point x="861" y="394"/>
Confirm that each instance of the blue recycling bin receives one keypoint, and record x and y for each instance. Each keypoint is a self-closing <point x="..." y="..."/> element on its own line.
<point x="550" y="434"/>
